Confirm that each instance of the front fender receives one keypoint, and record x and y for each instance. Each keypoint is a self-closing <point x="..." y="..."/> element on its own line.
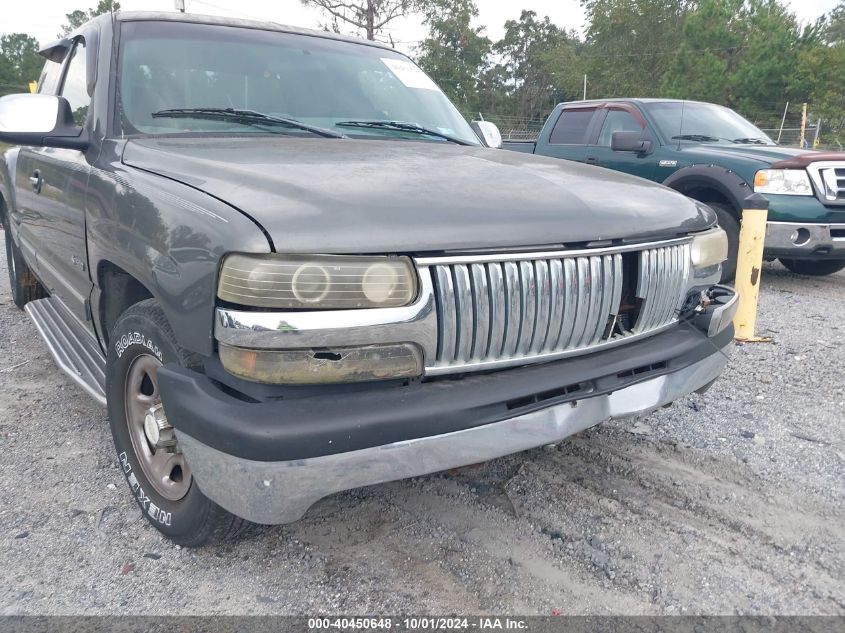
<point x="727" y="182"/>
<point x="170" y="238"/>
<point x="8" y="169"/>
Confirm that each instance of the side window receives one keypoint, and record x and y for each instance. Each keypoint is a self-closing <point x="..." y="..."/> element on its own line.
<point x="617" y="121"/>
<point x="48" y="82"/>
<point x="571" y="127"/>
<point x="75" y="87"/>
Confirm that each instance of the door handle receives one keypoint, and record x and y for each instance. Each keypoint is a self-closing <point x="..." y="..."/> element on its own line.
<point x="35" y="180"/>
<point x="592" y="161"/>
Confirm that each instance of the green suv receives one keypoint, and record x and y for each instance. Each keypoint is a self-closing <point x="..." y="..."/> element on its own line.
<point x="712" y="154"/>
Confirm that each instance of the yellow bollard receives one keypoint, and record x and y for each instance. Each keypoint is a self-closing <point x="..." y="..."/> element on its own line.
<point x="33" y="86"/>
<point x="749" y="264"/>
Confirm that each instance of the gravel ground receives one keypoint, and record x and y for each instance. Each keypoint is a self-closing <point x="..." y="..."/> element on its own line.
<point x="726" y="503"/>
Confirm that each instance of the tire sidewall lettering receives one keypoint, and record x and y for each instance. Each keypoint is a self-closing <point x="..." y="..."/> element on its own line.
<point x="156" y="514"/>
<point x="125" y="341"/>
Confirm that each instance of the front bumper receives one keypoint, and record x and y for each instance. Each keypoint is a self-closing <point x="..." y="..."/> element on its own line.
<point x="269" y="460"/>
<point x="281" y="492"/>
<point x="805" y="240"/>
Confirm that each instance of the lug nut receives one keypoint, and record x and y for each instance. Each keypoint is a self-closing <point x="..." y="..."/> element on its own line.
<point x="157" y="429"/>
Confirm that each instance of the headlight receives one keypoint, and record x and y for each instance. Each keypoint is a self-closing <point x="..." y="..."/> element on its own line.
<point x="317" y="282"/>
<point x="709" y="248"/>
<point x="791" y="182"/>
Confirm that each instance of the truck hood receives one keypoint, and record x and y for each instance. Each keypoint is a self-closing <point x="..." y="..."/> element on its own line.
<point x="763" y="154"/>
<point x="368" y="196"/>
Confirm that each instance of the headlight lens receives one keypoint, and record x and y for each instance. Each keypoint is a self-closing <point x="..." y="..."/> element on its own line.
<point x="317" y="282"/>
<point x="791" y="182"/>
<point x="709" y="248"/>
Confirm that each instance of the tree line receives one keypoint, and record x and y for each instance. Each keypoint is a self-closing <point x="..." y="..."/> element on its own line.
<point x="746" y="54"/>
<point x="750" y="55"/>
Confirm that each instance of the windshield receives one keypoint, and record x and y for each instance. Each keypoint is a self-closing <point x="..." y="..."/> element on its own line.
<point x="312" y="80"/>
<point x="704" y="122"/>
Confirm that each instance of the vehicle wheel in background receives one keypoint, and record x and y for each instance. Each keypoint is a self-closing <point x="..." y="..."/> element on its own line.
<point x="158" y="475"/>
<point x="816" y="267"/>
<point x="22" y="282"/>
<point x="731" y="227"/>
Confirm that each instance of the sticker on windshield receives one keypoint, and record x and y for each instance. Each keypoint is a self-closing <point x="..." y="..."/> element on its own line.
<point x="409" y="74"/>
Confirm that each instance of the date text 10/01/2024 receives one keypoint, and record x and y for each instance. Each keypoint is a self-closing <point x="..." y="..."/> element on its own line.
<point x="416" y="623"/>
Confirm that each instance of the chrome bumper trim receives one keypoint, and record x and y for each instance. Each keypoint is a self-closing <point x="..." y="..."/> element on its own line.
<point x="281" y="492"/>
<point x="817" y="236"/>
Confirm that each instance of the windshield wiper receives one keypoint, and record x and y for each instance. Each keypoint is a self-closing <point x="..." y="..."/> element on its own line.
<point x="249" y="117"/>
<point x="414" y="128"/>
<point x="703" y="138"/>
<point x="751" y="141"/>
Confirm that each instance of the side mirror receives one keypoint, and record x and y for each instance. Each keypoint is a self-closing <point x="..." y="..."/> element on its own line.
<point x="488" y="133"/>
<point x="629" y="142"/>
<point x="40" y="120"/>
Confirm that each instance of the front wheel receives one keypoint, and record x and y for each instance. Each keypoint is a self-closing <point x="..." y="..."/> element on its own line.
<point x="148" y="452"/>
<point x="817" y="267"/>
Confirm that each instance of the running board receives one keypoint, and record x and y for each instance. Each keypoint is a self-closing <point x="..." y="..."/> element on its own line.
<point x="74" y="350"/>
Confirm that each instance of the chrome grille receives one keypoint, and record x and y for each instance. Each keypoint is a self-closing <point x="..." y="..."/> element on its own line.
<point x="661" y="284"/>
<point x="829" y="178"/>
<point x="505" y="311"/>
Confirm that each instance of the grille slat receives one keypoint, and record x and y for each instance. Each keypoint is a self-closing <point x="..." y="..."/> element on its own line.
<point x="570" y="304"/>
<point x="663" y="267"/>
<point x="446" y="315"/>
<point x="606" y="294"/>
<point x="528" y="297"/>
<point x="557" y="289"/>
<point x="582" y="300"/>
<point x="596" y="290"/>
<point x="543" y="317"/>
<point x="516" y="310"/>
<point x="513" y="314"/>
<point x="464" y="314"/>
<point x="498" y="318"/>
<point x="481" y="310"/>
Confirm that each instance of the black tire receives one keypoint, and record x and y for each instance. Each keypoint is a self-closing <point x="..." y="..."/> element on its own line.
<point x="142" y="338"/>
<point x="730" y="226"/>
<point x="23" y="284"/>
<point x="817" y="267"/>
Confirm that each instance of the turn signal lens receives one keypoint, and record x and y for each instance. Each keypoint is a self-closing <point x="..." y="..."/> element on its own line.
<point x="317" y="282"/>
<point x="321" y="366"/>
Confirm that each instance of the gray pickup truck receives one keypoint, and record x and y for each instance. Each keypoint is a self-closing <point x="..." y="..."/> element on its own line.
<point x="288" y="267"/>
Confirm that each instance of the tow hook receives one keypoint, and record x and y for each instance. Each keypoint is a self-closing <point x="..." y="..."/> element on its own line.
<point x="158" y="430"/>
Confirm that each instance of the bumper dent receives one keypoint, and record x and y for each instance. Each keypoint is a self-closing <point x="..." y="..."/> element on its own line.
<point x="282" y="491"/>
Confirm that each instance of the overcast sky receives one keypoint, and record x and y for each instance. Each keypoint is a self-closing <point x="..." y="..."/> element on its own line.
<point x="43" y="18"/>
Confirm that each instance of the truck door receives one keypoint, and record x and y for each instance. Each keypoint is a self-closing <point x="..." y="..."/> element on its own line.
<point x="52" y="211"/>
<point x="621" y="117"/>
<point x="568" y="137"/>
